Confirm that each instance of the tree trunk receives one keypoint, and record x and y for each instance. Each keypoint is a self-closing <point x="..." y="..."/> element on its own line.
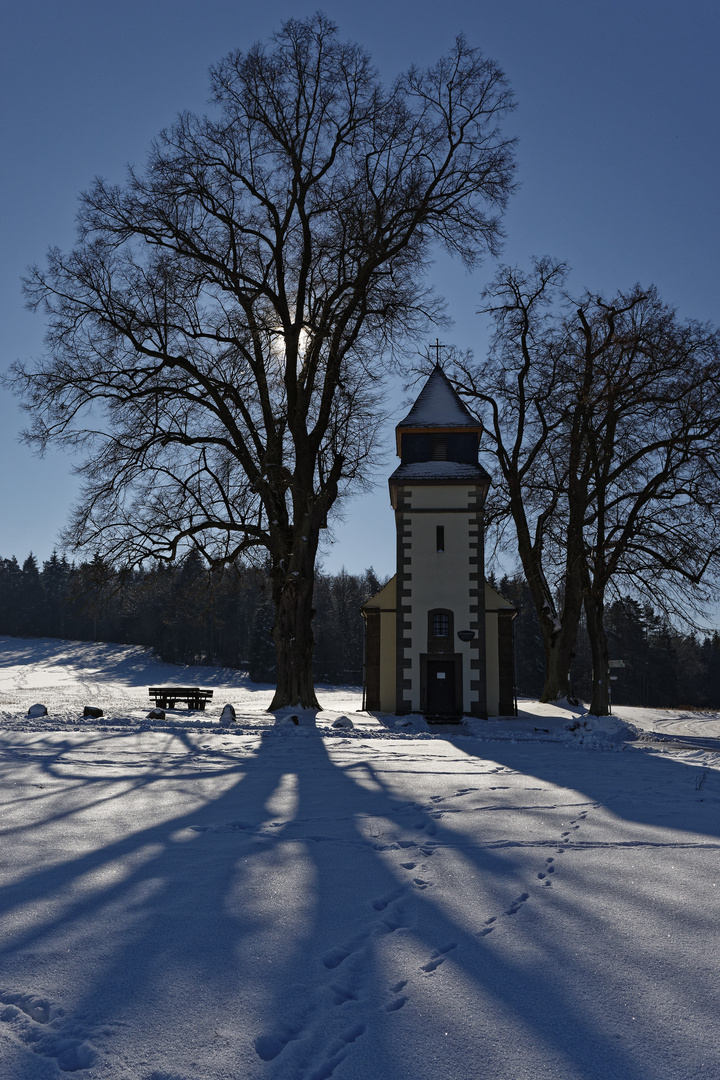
<point x="559" y="652"/>
<point x="293" y="582"/>
<point x="594" y="611"/>
<point x="293" y="637"/>
<point x="559" y="629"/>
<point x="560" y="643"/>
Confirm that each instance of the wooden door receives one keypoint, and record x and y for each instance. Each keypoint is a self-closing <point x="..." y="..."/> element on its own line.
<point x="441" y="690"/>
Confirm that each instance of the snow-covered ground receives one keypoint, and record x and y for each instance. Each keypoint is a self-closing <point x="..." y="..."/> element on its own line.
<point x="510" y="900"/>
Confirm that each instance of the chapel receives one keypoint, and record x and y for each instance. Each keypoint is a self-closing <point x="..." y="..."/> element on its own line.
<point x="438" y="637"/>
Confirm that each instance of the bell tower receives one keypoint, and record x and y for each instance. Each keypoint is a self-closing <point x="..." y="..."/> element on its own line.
<point x="438" y="494"/>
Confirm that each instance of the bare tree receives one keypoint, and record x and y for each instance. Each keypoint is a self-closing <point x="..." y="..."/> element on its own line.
<point x="516" y="391"/>
<point x="648" y="387"/>
<point x="604" y="419"/>
<point x="218" y="338"/>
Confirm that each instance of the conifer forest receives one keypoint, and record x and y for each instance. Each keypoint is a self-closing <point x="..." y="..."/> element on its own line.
<point x="189" y="614"/>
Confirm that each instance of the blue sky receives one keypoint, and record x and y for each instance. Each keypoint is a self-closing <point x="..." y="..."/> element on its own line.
<point x="619" y="163"/>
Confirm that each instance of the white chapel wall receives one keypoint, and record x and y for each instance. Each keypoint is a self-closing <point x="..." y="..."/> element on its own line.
<point x="439" y="579"/>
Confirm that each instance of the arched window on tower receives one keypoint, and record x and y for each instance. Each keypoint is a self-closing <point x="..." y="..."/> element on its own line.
<point x="440" y="631"/>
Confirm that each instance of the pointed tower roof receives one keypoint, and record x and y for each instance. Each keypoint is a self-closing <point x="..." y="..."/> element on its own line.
<point x="438" y="411"/>
<point x="439" y="405"/>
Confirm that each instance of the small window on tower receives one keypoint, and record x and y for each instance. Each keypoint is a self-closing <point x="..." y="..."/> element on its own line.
<point x="440" y="538"/>
<point x="440" y="625"/>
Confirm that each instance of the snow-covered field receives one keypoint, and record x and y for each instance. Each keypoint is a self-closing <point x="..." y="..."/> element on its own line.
<point x="510" y="900"/>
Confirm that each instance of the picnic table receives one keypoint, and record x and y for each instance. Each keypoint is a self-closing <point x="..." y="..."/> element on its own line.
<point x="166" y="697"/>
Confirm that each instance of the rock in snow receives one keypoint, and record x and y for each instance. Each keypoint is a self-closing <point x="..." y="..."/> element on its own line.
<point x="343" y="722"/>
<point x="285" y="719"/>
<point x="228" y="715"/>
<point x="156" y="714"/>
<point x="92" y="712"/>
<point x="37" y="710"/>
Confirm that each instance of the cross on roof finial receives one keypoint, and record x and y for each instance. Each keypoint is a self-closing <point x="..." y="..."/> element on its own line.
<point x="437" y="347"/>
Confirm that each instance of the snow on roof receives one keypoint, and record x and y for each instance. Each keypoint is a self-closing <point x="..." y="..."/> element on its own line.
<point x="438" y="405"/>
<point x="439" y="470"/>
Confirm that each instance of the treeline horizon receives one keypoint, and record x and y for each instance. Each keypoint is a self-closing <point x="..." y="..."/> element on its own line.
<point x="188" y="614"/>
<point x="652" y="663"/>
<point x="184" y="612"/>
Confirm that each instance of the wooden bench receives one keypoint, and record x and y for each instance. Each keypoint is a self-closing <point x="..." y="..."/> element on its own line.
<point x="166" y="697"/>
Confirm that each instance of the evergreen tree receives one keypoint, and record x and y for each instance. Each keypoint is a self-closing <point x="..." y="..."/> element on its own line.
<point x="10" y="596"/>
<point x="31" y="613"/>
<point x="55" y="577"/>
<point x="262" y="656"/>
<point x="710" y="687"/>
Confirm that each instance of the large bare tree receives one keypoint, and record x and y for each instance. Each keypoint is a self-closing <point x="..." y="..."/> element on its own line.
<point x="604" y="420"/>
<point x="218" y="338"/>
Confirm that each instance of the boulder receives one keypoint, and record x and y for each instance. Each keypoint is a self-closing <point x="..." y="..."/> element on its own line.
<point x="156" y="714"/>
<point x="37" y="710"/>
<point x="92" y="712"/>
<point x="343" y="722"/>
<point x="228" y="715"/>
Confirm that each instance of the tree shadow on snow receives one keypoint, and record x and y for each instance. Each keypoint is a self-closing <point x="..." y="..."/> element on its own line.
<point x="279" y="904"/>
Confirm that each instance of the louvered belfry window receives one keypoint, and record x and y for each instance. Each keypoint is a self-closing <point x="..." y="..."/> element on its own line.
<point x="439" y="448"/>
